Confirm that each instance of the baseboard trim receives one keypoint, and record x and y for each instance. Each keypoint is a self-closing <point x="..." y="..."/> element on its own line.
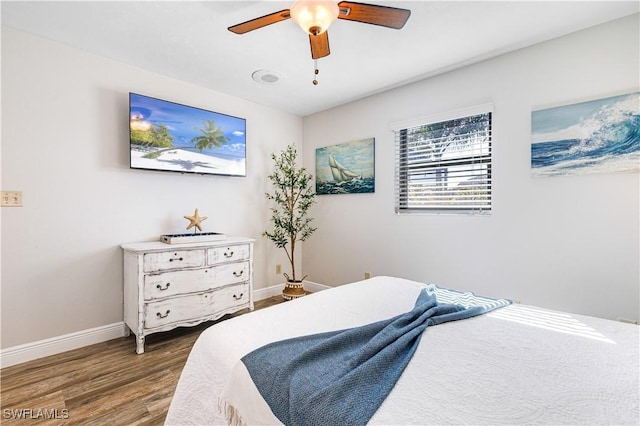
<point x="276" y="290"/>
<point x="55" y="345"/>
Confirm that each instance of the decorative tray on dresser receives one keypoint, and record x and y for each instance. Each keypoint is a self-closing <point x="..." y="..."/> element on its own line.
<point x="175" y="285"/>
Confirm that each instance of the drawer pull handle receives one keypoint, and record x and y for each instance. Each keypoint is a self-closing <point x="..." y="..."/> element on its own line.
<point x="176" y="259"/>
<point x="228" y="253"/>
<point x="159" y="315"/>
<point x="238" y="297"/>
<point x="159" y="287"/>
<point x="238" y="274"/>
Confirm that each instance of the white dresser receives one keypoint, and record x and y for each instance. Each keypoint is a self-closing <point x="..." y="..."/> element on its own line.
<point x="172" y="285"/>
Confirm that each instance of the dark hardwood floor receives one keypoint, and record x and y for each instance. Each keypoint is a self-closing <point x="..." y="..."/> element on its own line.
<point x="102" y="384"/>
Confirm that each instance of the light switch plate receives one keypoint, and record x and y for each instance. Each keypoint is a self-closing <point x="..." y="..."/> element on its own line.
<point x="11" y="199"/>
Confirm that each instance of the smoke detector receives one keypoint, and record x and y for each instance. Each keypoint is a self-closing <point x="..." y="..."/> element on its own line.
<point x="267" y="77"/>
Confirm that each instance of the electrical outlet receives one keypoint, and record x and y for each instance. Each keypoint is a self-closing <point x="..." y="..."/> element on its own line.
<point x="278" y="268"/>
<point x="11" y="198"/>
<point x="367" y="275"/>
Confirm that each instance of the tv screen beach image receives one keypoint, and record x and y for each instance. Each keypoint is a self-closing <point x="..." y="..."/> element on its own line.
<point x="174" y="137"/>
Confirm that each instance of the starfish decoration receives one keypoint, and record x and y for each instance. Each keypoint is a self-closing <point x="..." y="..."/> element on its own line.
<point x="195" y="220"/>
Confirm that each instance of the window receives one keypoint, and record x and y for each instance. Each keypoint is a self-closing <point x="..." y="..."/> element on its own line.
<point x="443" y="164"/>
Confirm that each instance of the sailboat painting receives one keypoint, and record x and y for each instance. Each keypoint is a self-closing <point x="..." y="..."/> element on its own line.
<point x="599" y="136"/>
<point x="347" y="168"/>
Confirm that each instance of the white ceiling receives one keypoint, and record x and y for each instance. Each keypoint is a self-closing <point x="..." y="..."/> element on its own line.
<point x="189" y="40"/>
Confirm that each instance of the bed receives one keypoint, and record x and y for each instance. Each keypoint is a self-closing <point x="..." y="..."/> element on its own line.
<point x="517" y="364"/>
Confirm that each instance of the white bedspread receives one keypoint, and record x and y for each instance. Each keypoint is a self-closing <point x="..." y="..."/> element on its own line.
<point x="516" y="365"/>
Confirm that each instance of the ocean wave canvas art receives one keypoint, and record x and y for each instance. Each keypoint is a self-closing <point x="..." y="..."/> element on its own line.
<point x="600" y="136"/>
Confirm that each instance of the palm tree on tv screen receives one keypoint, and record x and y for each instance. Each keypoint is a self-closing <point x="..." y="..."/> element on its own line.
<point x="158" y="137"/>
<point x="161" y="136"/>
<point x="212" y="135"/>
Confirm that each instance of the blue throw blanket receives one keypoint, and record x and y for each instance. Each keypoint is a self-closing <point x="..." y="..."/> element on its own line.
<point x="342" y="377"/>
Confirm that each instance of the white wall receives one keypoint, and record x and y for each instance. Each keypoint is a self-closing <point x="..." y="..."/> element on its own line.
<point x="569" y="243"/>
<point x="65" y="145"/>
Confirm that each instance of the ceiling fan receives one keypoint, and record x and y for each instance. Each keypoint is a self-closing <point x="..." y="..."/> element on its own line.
<point x="314" y="17"/>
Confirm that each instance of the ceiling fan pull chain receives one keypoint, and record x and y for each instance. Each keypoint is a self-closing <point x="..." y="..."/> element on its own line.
<point x="315" y="72"/>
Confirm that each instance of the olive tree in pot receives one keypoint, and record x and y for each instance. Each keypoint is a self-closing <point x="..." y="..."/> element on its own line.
<point x="292" y="197"/>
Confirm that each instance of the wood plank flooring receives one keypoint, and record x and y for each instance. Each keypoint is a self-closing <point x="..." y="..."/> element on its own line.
<point x="102" y="384"/>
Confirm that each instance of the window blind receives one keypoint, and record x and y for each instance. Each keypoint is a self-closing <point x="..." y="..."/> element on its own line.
<point x="444" y="166"/>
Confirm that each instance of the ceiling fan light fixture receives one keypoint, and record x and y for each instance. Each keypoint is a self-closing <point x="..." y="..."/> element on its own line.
<point x="314" y="17"/>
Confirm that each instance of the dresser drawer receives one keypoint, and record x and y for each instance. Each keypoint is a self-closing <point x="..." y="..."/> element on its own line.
<point x="227" y="254"/>
<point x="194" y="306"/>
<point x="166" y="284"/>
<point x="234" y="295"/>
<point x="175" y="259"/>
<point x="231" y="273"/>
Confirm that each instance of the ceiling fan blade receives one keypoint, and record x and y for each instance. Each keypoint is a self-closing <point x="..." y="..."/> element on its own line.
<point x="263" y="21"/>
<point x="391" y="17"/>
<point x="319" y="45"/>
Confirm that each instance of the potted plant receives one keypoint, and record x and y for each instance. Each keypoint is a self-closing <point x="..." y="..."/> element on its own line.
<point x="292" y="197"/>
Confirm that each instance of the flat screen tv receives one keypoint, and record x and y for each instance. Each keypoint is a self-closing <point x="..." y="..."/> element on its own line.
<point x="172" y="137"/>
